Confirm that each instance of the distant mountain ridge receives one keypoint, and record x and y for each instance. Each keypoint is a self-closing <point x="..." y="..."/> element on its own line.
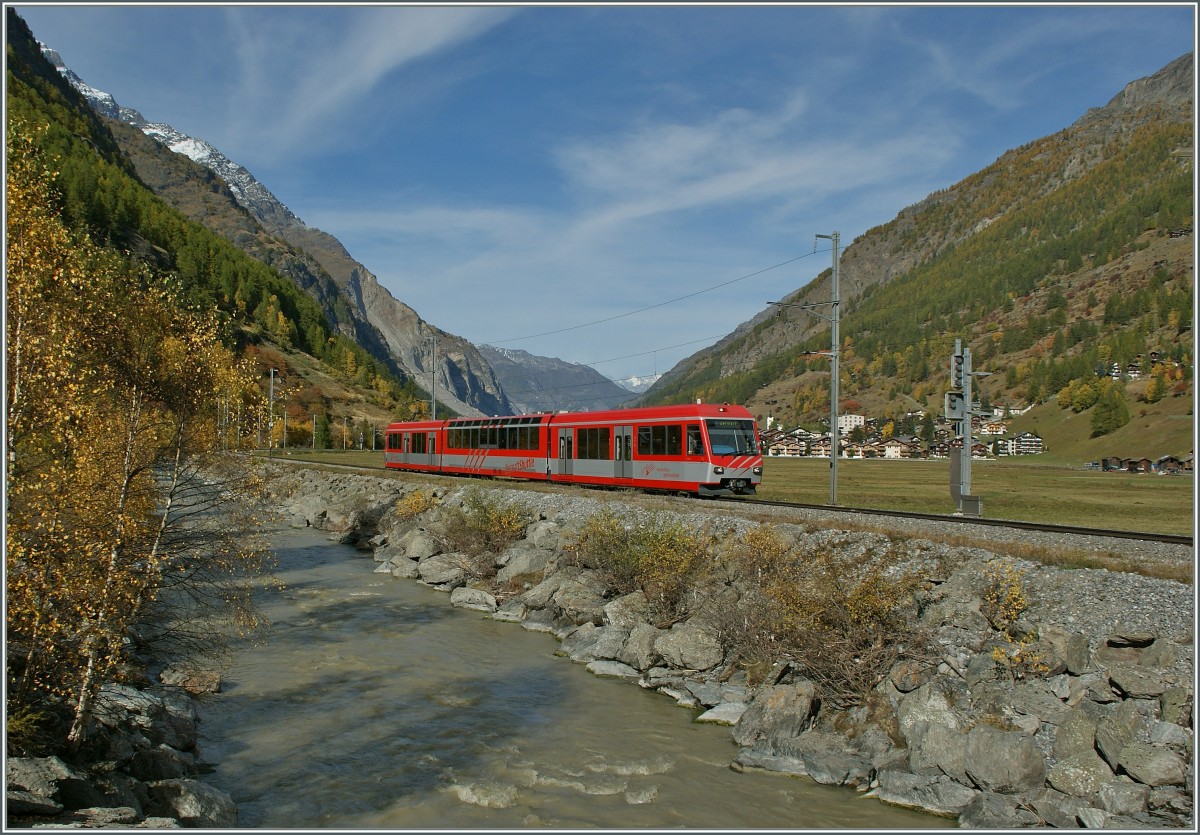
<point x="547" y="384"/>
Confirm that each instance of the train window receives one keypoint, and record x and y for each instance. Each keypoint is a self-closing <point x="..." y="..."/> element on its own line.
<point x="732" y="437"/>
<point x="695" y="443"/>
<point x="660" y="440"/>
<point x="595" y="443"/>
<point x="418" y="442"/>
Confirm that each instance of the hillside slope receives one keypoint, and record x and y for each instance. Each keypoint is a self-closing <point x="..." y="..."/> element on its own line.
<point x="1054" y="258"/>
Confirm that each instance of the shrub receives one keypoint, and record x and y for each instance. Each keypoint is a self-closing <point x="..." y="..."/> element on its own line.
<point x="482" y="526"/>
<point x="659" y="556"/>
<point x="412" y="505"/>
<point x="842" y="623"/>
<point x="1004" y="600"/>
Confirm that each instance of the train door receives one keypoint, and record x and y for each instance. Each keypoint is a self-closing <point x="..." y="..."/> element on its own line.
<point x="431" y="449"/>
<point x="623" y="451"/>
<point x="566" y="451"/>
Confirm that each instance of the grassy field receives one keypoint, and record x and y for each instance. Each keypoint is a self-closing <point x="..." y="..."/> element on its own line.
<point x="1010" y="489"/>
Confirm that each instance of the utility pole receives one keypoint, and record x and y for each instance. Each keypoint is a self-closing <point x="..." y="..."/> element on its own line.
<point x="834" y="431"/>
<point x="271" y="419"/>
<point x="433" y="379"/>
<point x="833" y="318"/>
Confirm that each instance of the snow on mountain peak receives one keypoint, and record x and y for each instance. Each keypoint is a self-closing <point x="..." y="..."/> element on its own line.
<point x="248" y="191"/>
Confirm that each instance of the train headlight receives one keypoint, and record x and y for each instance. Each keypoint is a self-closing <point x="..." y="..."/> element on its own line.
<point x="718" y="470"/>
<point x="757" y="470"/>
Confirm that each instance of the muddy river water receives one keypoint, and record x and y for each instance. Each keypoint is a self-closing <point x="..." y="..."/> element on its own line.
<point x="376" y="705"/>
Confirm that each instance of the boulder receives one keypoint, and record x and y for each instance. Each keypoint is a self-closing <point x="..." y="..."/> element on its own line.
<point x="48" y="782"/>
<point x="520" y="561"/>
<point x="581" y="599"/>
<point x="639" y="650"/>
<point x="726" y="713"/>
<point x="1081" y="773"/>
<point x="444" y="570"/>
<point x="690" y="646"/>
<point x="988" y="810"/>
<point x="612" y="669"/>
<point x="1004" y="762"/>
<point x="938" y="795"/>
<point x="1152" y="765"/>
<point x="777" y="712"/>
<point x="468" y="598"/>
<point x="194" y="804"/>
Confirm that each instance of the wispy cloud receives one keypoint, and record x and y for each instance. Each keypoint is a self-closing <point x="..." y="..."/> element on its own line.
<point x="303" y="77"/>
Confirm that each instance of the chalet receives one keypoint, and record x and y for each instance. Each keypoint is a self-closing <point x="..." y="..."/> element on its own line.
<point x="901" y="447"/>
<point x="863" y="449"/>
<point x="820" y="446"/>
<point x="1168" y="464"/>
<point x="1025" y="443"/>
<point x="940" y="449"/>
<point x="1139" y="465"/>
<point x="1112" y="463"/>
<point x="993" y="427"/>
<point x="789" y="444"/>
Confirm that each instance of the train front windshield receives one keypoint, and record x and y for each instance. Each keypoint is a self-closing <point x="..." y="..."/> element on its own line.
<point x="732" y="437"/>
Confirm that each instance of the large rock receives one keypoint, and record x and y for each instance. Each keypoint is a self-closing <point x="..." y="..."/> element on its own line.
<point x="936" y="794"/>
<point x="467" y="598"/>
<point x="1152" y="765"/>
<point x="48" y="782"/>
<point x="1005" y="762"/>
<point x="165" y="717"/>
<point x="443" y="570"/>
<point x="776" y="713"/>
<point x="194" y="804"/>
<point x="639" y="650"/>
<point x="581" y="599"/>
<point x="690" y="646"/>
<point x="522" y="561"/>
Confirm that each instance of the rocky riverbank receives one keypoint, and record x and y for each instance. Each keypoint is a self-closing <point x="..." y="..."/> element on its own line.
<point x="1096" y="733"/>
<point x="140" y="768"/>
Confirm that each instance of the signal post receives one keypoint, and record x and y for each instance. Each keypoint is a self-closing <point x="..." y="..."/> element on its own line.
<point x="958" y="412"/>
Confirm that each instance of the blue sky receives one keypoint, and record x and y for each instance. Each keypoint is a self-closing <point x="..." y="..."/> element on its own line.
<point x="516" y="173"/>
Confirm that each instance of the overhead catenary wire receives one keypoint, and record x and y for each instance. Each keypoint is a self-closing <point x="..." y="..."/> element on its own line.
<point x="653" y="306"/>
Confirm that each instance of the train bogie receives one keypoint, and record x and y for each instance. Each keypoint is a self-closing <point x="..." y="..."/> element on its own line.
<point x="702" y="449"/>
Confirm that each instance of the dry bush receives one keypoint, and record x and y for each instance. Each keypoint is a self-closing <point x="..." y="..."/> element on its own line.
<point x="660" y="556"/>
<point x="842" y="623"/>
<point x="413" y="504"/>
<point x="1004" y="600"/>
<point x="481" y="527"/>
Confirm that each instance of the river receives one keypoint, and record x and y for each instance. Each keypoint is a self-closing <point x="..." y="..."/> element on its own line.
<point x="377" y="705"/>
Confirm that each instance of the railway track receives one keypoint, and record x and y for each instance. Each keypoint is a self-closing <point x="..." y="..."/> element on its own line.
<point x="1008" y="524"/>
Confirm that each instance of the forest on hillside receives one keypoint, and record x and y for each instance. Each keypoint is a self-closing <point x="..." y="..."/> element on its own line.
<point x="1040" y="279"/>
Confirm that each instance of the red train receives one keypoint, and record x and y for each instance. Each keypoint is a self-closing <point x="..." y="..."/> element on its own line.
<point x="702" y="449"/>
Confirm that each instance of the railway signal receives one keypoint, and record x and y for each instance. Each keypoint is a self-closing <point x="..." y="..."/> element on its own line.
<point x="958" y="407"/>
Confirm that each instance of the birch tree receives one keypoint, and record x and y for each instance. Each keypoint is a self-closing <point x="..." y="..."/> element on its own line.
<point x="111" y="395"/>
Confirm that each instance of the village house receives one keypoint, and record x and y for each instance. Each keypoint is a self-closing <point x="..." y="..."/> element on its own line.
<point x="1026" y="443"/>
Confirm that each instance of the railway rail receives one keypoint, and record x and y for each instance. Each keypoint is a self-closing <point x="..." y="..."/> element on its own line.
<point x="1008" y="524"/>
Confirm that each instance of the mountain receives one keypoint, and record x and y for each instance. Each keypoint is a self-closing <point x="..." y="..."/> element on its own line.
<point x="639" y="384"/>
<point x="545" y="384"/>
<point x="354" y="300"/>
<point x="1071" y="251"/>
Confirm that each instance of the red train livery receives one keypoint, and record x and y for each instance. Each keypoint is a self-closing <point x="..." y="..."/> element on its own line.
<point x="703" y="449"/>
